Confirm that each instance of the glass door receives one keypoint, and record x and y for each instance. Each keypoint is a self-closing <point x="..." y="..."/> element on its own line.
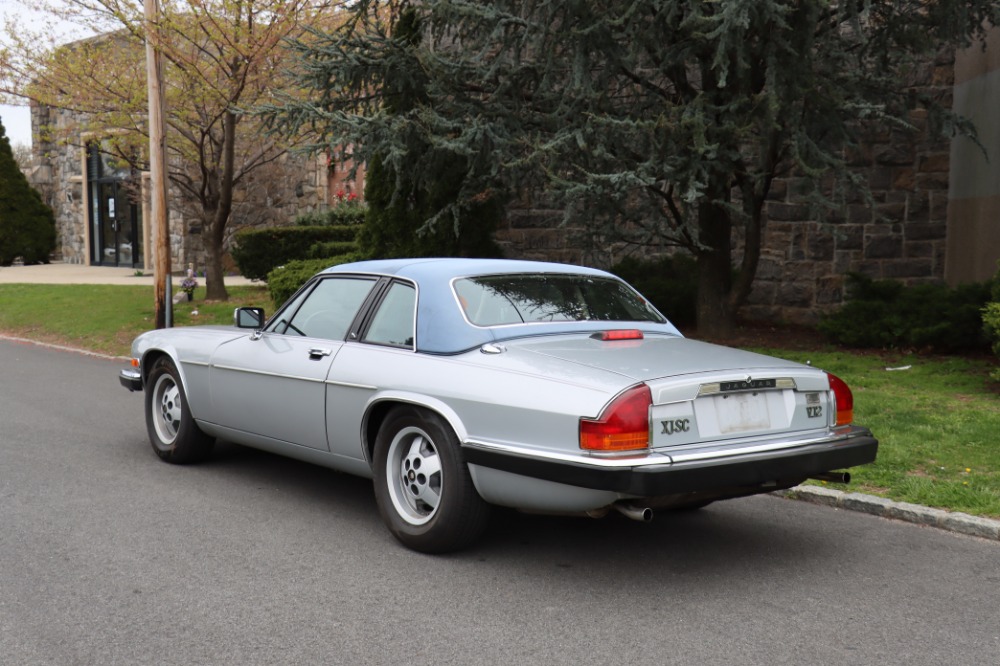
<point x="116" y="225"/>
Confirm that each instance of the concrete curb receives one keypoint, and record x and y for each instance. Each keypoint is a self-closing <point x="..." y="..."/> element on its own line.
<point x="63" y="348"/>
<point x="962" y="523"/>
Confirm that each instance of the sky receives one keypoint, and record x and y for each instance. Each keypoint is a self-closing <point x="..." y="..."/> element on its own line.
<point x="17" y="123"/>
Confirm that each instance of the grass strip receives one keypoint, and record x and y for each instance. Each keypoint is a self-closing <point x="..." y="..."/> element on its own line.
<point x="938" y="424"/>
<point x="105" y="318"/>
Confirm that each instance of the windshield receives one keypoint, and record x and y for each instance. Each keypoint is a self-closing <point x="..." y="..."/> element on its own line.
<point x="499" y="300"/>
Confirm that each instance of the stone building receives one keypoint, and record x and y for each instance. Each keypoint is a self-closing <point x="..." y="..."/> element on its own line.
<point x="102" y="206"/>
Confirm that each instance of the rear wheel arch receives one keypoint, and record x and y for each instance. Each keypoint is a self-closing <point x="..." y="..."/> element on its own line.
<point x="380" y="409"/>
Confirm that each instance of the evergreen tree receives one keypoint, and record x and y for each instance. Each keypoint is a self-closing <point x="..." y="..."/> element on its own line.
<point x="405" y="205"/>
<point x="659" y="122"/>
<point x="27" y="224"/>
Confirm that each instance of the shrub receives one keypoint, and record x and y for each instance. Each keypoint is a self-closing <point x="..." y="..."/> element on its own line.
<point x="991" y="321"/>
<point x="257" y="252"/>
<point x="284" y="281"/>
<point x="329" y="249"/>
<point x="345" y="214"/>
<point x="670" y="283"/>
<point x="888" y="314"/>
<point x="27" y="224"/>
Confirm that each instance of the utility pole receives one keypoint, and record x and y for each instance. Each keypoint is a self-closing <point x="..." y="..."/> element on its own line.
<point x="163" y="300"/>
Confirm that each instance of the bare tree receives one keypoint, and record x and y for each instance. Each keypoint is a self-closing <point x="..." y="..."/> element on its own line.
<point x="221" y="57"/>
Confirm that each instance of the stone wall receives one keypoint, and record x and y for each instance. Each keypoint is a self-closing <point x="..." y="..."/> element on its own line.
<point x="804" y="263"/>
<point x="57" y="173"/>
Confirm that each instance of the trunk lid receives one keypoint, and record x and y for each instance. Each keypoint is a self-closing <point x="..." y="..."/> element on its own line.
<point x="654" y="357"/>
<point x="703" y="392"/>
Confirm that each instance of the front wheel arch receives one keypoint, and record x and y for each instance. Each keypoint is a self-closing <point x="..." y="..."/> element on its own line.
<point x="149" y="360"/>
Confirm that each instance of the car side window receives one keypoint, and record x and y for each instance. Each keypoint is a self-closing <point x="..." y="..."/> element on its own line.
<point x="393" y="323"/>
<point x="328" y="310"/>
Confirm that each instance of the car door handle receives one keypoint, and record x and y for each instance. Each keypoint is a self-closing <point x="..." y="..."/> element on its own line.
<point x="319" y="352"/>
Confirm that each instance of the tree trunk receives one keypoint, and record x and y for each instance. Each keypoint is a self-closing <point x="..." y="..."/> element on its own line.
<point x="716" y="315"/>
<point x="214" y="232"/>
<point x="215" y="285"/>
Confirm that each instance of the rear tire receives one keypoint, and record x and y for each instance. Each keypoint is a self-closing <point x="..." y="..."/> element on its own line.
<point x="423" y="487"/>
<point x="174" y="435"/>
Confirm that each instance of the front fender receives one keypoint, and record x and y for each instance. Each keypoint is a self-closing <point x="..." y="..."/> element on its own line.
<point x="190" y="349"/>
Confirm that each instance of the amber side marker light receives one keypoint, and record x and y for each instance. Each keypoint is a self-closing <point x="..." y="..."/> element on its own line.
<point x="135" y="363"/>
<point x="844" y="399"/>
<point x="624" y="334"/>
<point x="622" y="426"/>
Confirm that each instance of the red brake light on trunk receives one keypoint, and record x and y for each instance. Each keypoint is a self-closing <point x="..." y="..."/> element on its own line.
<point x="844" y="399"/>
<point x="625" y="334"/>
<point x="622" y="426"/>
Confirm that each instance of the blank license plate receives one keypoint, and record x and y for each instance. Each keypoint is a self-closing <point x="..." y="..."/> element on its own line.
<point x="742" y="412"/>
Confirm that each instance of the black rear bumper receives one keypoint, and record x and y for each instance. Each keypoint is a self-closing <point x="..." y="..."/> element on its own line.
<point x="751" y="470"/>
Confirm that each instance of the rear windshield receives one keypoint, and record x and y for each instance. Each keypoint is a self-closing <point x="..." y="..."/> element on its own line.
<point x="498" y="300"/>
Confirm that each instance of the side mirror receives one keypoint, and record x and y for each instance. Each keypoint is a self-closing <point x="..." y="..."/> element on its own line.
<point x="249" y="318"/>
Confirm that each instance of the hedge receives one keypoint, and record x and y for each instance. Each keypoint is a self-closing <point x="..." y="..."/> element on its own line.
<point x="889" y="314"/>
<point x="284" y="281"/>
<point x="670" y="283"/>
<point x="257" y="252"/>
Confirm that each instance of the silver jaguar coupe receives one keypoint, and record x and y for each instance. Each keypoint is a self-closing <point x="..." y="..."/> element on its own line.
<point x="457" y="384"/>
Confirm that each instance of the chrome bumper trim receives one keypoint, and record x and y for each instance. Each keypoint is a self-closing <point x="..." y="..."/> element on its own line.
<point x="711" y="452"/>
<point x="130" y="379"/>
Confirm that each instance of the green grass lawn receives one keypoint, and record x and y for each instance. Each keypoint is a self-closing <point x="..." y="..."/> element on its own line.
<point x="938" y="422"/>
<point x="938" y="425"/>
<point x="105" y="318"/>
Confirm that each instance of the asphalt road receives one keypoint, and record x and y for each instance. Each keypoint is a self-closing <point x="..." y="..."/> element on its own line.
<point x="108" y="556"/>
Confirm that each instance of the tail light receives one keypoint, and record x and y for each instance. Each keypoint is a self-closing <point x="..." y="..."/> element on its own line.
<point x="622" y="426"/>
<point x="843" y="398"/>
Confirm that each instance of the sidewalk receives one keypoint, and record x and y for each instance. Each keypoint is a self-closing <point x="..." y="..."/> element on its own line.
<point x="61" y="273"/>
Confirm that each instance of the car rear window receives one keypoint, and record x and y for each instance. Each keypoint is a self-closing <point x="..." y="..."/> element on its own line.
<point x="498" y="300"/>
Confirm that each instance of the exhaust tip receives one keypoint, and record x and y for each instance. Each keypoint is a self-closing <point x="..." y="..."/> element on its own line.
<point x="642" y="514"/>
<point x="833" y="477"/>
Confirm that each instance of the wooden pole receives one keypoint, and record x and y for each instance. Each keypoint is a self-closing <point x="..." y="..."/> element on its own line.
<point x="162" y="297"/>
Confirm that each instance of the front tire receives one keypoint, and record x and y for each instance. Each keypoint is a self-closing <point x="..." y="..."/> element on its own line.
<point x="173" y="433"/>
<point x="423" y="487"/>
